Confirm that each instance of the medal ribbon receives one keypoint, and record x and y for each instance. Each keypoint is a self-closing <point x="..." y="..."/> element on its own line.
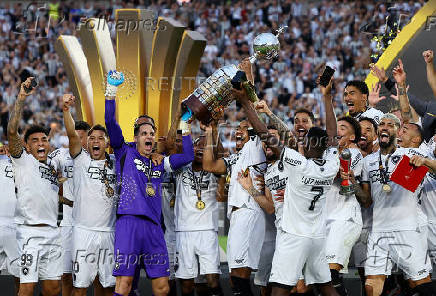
<point x="384" y="173"/>
<point x="197" y="184"/>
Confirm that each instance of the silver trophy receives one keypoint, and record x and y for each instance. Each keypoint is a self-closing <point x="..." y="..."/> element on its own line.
<point x="208" y="101"/>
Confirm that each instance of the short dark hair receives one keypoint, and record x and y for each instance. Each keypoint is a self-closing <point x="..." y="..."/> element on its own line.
<point x="356" y="127"/>
<point x="360" y="85"/>
<point x="98" y="127"/>
<point x="35" y="128"/>
<point x="138" y="123"/>
<point x="273" y="127"/>
<point x="419" y="129"/>
<point x="307" y="111"/>
<point x="370" y="120"/>
<point x="82" y="126"/>
<point x="321" y="137"/>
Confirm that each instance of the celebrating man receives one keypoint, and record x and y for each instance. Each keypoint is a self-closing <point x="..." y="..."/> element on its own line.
<point x="37" y="186"/>
<point x="139" y="238"/>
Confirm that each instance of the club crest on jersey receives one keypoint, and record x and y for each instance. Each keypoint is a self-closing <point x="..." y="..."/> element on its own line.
<point x="47" y="173"/>
<point x="396" y="159"/>
<point x="275" y="183"/>
<point x="9" y="173"/>
<point x="141" y="166"/>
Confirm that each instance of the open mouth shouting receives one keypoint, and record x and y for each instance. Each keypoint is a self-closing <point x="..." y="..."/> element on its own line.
<point x="350" y="106"/>
<point x="238" y="139"/>
<point x="301" y="132"/>
<point x="41" y="152"/>
<point x="148" y="145"/>
<point x="384" y="137"/>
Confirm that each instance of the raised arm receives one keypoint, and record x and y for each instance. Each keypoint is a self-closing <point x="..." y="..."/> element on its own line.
<point x="114" y="79"/>
<point x="431" y="71"/>
<point x="15" y="141"/>
<point x="210" y="163"/>
<point x="73" y="138"/>
<point x="400" y="77"/>
<point x="281" y="127"/>
<point x="187" y="156"/>
<point x="330" y="116"/>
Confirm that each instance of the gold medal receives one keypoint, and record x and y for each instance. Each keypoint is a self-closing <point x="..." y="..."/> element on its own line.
<point x="150" y="190"/>
<point x="200" y="204"/>
<point x="172" y="202"/>
<point x="110" y="191"/>
<point x="387" y="188"/>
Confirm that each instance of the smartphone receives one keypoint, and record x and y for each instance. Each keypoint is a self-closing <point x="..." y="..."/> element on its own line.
<point x="326" y="76"/>
<point x="33" y="84"/>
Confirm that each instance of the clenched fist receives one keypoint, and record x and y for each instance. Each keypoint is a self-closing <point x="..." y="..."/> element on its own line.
<point x="428" y="56"/>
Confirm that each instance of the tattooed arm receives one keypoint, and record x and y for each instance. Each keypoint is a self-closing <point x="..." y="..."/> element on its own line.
<point x="263" y="199"/>
<point x="400" y="77"/>
<point x="15" y="142"/>
<point x="281" y="127"/>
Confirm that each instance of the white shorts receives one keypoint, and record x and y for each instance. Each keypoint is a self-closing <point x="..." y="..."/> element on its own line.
<point x="360" y="249"/>
<point x="194" y="248"/>
<point x="431" y="240"/>
<point x="170" y="240"/>
<point x="341" y="237"/>
<point x="40" y="253"/>
<point x="261" y="277"/>
<point x="9" y="251"/>
<point x="93" y="253"/>
<point x="245" y="238"/>
<point x="67" y="246"/>
<point x="404" y="248"/>
<point x="296" y="254"/>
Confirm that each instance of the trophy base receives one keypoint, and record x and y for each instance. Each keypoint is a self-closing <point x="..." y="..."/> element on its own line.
<point x="347" y="190"/>
<point x="198" y="109"/>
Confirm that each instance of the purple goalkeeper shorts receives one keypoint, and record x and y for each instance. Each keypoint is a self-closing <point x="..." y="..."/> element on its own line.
<point x="140" y="243"/>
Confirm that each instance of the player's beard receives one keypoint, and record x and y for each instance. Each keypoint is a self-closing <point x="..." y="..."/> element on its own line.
<point x="391" y="142"/>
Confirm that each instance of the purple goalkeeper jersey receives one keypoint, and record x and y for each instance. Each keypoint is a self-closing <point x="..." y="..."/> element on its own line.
<point x="134" y="173"/>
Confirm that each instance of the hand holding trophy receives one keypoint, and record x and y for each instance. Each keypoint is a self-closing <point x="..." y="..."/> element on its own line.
<point x="215" y="94"/>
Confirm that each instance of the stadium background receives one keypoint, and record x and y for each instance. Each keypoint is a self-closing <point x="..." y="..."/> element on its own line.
<point x="337" y="32"/>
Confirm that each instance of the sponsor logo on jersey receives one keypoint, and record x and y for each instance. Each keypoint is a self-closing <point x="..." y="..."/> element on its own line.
<point x="313" y="181"/>
<point x="98" y="174"/>
<point x="293" y="162"/>
<point x="356" y="161"/>
<point x="275" y="183"/>
<point x="141" y="166"/>
<point x="187" y="179"/>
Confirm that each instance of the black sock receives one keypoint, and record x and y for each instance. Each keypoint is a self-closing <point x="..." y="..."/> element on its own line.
<point x="338" y="282"/>
<point x="216" y="291"/>
<point x="425" y="289"/>
<point x="241" y="287"/>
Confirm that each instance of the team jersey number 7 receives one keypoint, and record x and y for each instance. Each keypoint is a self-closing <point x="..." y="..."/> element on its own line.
<point x="320" y="191"/>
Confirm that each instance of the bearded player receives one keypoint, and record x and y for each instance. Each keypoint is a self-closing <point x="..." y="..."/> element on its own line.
<point x="94" y="206"/>
<point x="138" y="229"/>
<point x="36" y="212"/>
<point x="9" y="252"/>
<point x="344" y="219"/>
<point x="394" y="237"/>
<point x="65" y="163"/>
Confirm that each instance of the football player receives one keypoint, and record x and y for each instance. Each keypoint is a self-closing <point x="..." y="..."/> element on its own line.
<point x="9" y="252"/>
<point x="356" y="98"/>
<point x="344" y="219"/>
<point x="138" y="231"/>
<point x="394" y="236"/>
<point x="94" y="209"/>
<point x="36" y="212"/>
<point x="65" y="163"/>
